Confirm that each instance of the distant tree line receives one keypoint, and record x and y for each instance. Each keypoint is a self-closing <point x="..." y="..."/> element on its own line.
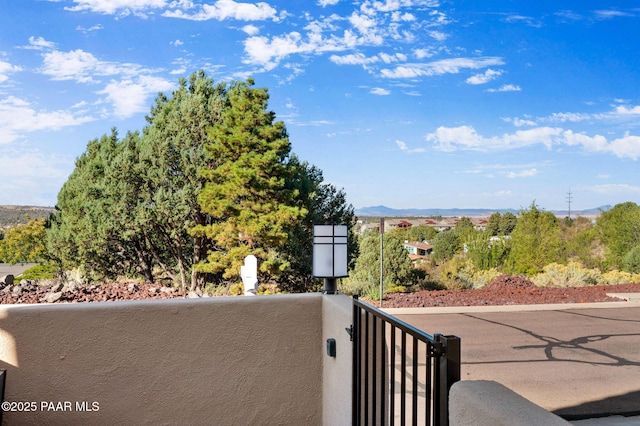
<point x="526" y="244"/>
<point x="209" y="180"/>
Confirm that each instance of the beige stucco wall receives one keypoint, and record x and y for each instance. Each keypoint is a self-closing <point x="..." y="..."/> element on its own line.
<point x="254" y="360"/>
<point x="337" y="314"/>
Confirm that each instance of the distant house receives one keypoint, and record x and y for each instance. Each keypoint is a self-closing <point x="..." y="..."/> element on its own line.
<point x="417" y="251"/>
<point x="397" y="223"/>
<point x="417" y="248"/>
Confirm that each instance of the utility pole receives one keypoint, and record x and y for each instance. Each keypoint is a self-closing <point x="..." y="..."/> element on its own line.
<point x="381" y="256"/>
<point x="569" y="198"/>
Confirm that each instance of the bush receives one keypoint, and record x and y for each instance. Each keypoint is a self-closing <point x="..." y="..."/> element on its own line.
<point x="631" y="261"/>
<point x="456" y="274"/>
<point x="619" y="277"/>
<point x="270" y="288"/>
<point x="571" y="275"/>
<point x="236" y="289"/>
<point x="480" y="279"/>
<point x="44" y="271"/>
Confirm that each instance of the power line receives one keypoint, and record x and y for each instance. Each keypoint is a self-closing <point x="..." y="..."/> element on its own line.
<point x="569" y="198"/>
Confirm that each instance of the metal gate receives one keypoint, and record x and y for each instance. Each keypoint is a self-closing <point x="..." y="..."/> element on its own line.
<point x="401" y="375"/>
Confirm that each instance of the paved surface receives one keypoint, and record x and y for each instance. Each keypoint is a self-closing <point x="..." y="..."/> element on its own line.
<point x="577" y="361"/>
<point x="15" y="270"/>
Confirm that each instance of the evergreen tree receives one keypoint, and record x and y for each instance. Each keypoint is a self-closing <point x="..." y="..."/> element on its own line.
<point x="493" y="224"/>
<point x="172" y="154"/>
<point x="446" y="245"/>
<point x="245" y="192"/>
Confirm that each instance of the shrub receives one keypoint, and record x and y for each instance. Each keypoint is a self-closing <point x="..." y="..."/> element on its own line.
<point x="44" y="271"/>
<point x="480" y="279"/>
<point x="271" y="288"/>
<point x="236" y="289"/>
<point x="571" y="275"/>
<point x="631" y="261"/>
<point x="619" y="277"/>
<point x="456" y="274"/>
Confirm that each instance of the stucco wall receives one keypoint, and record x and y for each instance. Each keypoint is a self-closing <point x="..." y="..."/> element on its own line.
<point x="337" y="315"/>
<point x="220" y="361"/>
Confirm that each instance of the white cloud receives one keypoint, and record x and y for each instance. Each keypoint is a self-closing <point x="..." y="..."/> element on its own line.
<point x="620" y="188"/>
<point x="402" y="17"/>
<point x="444" y="66"/>
<point x="361" y="59"/>
<point x="522" y="174"/>
<point x="379" y="91"/>
<point x="74" y="65"/>
<point x="485" y="77"/>
<point x="39" y="43"/>
<point x="623" y="110"/>
<point x="403" y="147"/>
<point x="608" y="14"/>
<point x="438" y="35"/>
<point x="467" y="138"/>
<point x="520" y="122"/>
<point x="228" y="9"/>
<point x="90" y="29"/>
<point x="121" y="7"/>
<point x="353" y="59"/>
<point x="506" y="88"/>
<point x="83" y="67"/>
<point x="325" y="3"/>
<point x="17" y="117"/>
<point x="33" y="178"/>
<point x="176" y="43"/>
<point x="423" y="53"/>
<point x="372" y="25"/>
<point x="568" y="116"/>
<point x="5" y="69"/>
<point x="251" y="29"/>
<point x="130" y="96"/>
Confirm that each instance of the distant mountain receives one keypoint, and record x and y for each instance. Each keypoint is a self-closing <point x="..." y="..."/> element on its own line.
<point x="11" y="216"/>
<point x="384" y="211"/>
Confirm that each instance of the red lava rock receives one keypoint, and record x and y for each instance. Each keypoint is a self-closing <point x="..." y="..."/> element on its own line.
<point x="508" y="292"/>
<point x="94" y="293"/>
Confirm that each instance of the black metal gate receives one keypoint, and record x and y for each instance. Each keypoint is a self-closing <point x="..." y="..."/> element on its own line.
<point x="401" y="375"/>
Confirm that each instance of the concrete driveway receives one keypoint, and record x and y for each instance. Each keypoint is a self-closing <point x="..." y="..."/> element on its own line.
<point x="578" y="363"/>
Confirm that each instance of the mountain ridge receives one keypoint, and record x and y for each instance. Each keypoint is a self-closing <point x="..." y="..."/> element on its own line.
<point x="381" y="210"/>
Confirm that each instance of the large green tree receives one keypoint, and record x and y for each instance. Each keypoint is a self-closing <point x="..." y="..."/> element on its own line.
<point x="397" y="267"/>
<point x="172" y="154"/>
<point x="619" y="230"/>
<point x="95" y="226"/>
<point x="24" y="243"/>
<point x="245" y="193"/>
<point x="536" y="241"/>
<point x="446" y="245"/>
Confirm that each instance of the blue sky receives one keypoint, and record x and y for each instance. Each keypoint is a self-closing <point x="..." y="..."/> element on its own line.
<point x="406" y="103"/>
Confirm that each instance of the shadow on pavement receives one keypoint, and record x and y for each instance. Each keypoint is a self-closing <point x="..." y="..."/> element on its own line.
<point x="615" y="405"/>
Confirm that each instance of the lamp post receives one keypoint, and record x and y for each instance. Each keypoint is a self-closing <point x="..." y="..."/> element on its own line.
<point x="330" y="255"/>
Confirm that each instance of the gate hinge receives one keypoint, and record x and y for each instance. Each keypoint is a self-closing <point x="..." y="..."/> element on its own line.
<point x="350" y="331"/>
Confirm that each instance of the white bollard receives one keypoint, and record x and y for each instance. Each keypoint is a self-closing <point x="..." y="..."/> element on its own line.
<point x="249" y="275"/>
